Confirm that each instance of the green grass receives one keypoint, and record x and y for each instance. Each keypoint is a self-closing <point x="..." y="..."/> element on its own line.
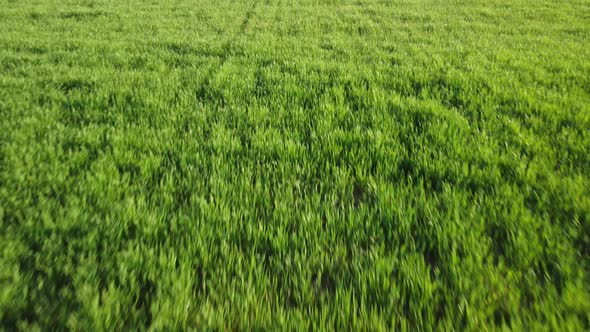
<point x="307" y="164"/>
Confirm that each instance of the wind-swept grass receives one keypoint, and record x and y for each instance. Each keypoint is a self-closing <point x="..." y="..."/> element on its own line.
<point x="276" y="164"/>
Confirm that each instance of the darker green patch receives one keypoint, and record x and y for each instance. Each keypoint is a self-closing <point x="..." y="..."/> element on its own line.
<point x="81" y="15"/>
<point x="35" y="16"/>
<point x="72" y="85"/>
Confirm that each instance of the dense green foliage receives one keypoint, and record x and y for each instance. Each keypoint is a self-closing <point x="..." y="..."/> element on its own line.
<point x="295" y="164"/>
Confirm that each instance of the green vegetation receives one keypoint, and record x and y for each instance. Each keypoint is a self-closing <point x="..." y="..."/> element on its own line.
<point x="303" y="164"/>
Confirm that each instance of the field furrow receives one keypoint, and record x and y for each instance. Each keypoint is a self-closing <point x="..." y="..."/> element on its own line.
<point x="295" y="165"/>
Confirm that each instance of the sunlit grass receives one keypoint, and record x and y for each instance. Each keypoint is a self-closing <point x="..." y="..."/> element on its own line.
<point x="300" y="164"/>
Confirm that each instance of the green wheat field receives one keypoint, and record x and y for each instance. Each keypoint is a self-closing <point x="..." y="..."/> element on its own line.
<point x="295" y="165"/>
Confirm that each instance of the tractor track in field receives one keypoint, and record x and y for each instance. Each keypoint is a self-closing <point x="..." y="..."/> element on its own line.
<point x="229" y="50"/>
<point x="371" y="14"/>
<point x="229" y="44"/>
<point x="248" y="17"/>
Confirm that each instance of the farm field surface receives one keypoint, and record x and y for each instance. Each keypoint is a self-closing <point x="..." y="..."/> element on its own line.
<point x="295" y="165"/>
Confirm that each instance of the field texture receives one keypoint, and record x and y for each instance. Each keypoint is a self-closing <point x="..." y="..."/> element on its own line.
<point x="306" y="164"/>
